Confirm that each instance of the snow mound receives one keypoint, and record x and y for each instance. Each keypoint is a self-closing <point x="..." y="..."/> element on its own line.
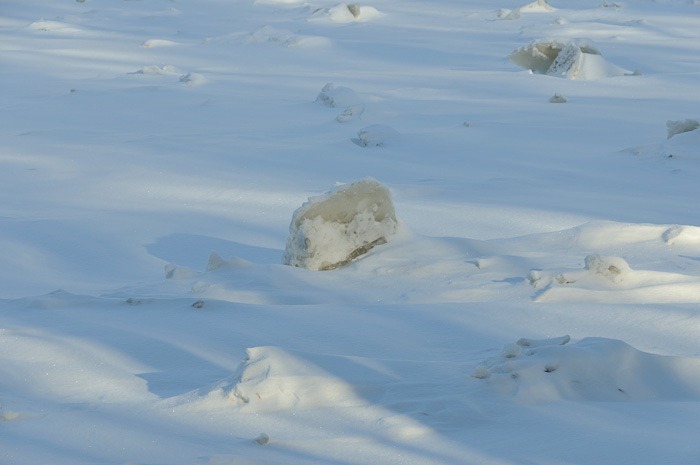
<point x="594" y="369"/>
<point x="571" y="59"/>
<point x="347" y="13"/>
<point x="557" y="98"/>
<point x="681" y="144"/>
<point x="329" y="231"/>
<point x="193" y="79"/>
<point x="610" y="279"/>
<point x="333" y="97"/>
<point x="350" y="113"/>
<point x="274" y="379"/>
<point x="156" y="70"/>
<point x="598" y="270"/>
<point x="155" y="43"/>
<point x="285" y="38"/>
<point x="53" y="26"/>
<point x="682" y="235"/>
<point x="539" y="6"/>
<point x="505" y="14"/>
<point x="375" y="135"/>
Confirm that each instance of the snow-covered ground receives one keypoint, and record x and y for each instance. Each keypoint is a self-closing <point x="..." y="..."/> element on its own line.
<point x="536" y="303"/>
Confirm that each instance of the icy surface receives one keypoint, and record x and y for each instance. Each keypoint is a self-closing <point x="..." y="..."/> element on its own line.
<point x="537" y="302"/>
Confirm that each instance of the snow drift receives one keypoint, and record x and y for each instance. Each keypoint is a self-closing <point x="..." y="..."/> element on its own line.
<point x="571" y="59"/>
<point x="331" y="230"/>
<point x="273" y="379"/>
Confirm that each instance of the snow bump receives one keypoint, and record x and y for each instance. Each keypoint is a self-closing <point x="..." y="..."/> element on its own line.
<point x="594" y="369"/>
<point x="577" y="59"/>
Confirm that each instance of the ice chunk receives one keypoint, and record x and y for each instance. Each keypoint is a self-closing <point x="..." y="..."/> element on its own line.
<point x="571" y="59"/>
<point x="607" y="266"/>
<point x="331" y="230"/>
<point x="679" y="127"/>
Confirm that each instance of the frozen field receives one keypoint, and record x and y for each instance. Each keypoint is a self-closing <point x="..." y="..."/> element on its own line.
<point x="536" y="301"/>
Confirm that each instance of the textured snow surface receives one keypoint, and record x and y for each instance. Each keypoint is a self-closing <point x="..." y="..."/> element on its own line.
<point x="520" y="280"/>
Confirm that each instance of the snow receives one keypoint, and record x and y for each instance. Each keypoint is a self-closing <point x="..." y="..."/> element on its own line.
<point x="535" y="302"/>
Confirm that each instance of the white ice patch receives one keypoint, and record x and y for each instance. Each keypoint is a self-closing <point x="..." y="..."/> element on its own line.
<point x="594" y="369"/>
<point x="571" y="59"/>
<point x="331" y="230"/>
